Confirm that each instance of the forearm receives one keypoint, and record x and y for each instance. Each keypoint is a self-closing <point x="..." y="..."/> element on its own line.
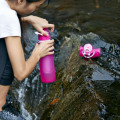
<point x="30" y="64"/>
<point x="21" y="67"/>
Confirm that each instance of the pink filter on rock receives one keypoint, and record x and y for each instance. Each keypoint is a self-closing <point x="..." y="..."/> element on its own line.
<point x="47" y="68"/>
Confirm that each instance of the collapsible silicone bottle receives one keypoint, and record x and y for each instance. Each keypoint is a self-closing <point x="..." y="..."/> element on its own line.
<point x="47" y="68"/>
<point x="89" y="52"/>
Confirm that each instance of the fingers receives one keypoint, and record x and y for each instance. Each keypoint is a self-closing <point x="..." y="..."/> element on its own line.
<point x="50" y="45"/>
<point x="50" y="26"/>
<point x="51" y="48"/>
<point x="49" y="41"/>
<point x="45" y="48"/>
<point x="47" y="26"/>
<point x="50" y="53"/>
<point x="44" y="32"/>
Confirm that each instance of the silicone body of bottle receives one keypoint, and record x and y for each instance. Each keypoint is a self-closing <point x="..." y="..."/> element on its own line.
<point x="47" y="68"/>
<point x="92" y="52"/>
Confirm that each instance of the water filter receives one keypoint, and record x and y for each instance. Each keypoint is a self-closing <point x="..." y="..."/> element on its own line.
<point x="47" y="67"/>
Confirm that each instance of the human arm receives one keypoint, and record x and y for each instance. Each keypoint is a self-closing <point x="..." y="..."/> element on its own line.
<point x="38" y="23"/>
<point x="21" y="67"/>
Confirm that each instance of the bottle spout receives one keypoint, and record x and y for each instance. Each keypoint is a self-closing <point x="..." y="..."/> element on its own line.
<point x="37" y="33"/>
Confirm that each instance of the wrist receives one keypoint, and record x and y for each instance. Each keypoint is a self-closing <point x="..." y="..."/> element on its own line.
<point x="23" y="19"/>
<point x="27" y="19"/>
<point x="36" y="55"/>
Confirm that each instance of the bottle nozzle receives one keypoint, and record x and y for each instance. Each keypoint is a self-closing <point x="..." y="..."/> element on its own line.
<point x="37" y="33"/>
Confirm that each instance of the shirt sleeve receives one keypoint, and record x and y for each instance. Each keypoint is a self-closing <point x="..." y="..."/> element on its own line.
<point x="9" y="25"/>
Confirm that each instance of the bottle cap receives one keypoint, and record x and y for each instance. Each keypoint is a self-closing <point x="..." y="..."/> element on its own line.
<point x="88" y="51"/>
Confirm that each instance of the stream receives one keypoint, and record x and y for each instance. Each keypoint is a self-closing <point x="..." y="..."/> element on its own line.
<point x="85" y="89"/>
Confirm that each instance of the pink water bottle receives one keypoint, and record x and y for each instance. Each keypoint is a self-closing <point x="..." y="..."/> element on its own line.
<point x="89" y="52"/>
<point x="47" y="68"/>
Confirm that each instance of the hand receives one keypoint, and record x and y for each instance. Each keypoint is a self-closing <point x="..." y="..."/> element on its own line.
<point x="39" y="23"/>
<point x="45" y="48"/>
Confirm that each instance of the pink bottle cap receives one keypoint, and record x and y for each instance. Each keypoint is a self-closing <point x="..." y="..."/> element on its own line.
<point x="88" y="51"/>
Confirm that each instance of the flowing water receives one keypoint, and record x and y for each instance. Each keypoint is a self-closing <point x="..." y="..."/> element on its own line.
<point x="84" y="89"/>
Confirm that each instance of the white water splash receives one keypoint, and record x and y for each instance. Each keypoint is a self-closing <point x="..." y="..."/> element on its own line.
<point x="21" y="94"/>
